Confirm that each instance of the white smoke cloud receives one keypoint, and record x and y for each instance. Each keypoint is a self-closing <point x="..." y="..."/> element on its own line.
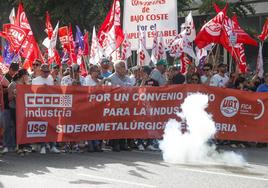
<point x="192" y="146"/>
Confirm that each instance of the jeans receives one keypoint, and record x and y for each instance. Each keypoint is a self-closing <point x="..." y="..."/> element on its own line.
<point x="10" y="128"/>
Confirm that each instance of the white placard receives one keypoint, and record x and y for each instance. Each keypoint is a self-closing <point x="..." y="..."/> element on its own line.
<point x="151" y="16"/>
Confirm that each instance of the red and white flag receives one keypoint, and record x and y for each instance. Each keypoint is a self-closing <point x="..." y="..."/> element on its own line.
<point x="49" y="28"/>
<point x="110" y="34"/>
<point x="96" y="52"/>
<point x="264" y="35"/>
<point x="126" y="48"/>
<point x="190" y="27"/>
<point x="53" y="42"/>
<point x="211" y="31"/>
<point x="183" y="45"/>
<point x="259" y="68"/>
<point x="161" y="53"/>
<point x="64" y="37"/>
<point x="15" y="36"/>
<point x="238" y="54"/>
<point x="184" y="60"/>
<point x="143" y="55"/>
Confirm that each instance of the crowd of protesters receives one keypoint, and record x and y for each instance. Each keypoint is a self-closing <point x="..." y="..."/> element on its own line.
<point x="116" y="74"/>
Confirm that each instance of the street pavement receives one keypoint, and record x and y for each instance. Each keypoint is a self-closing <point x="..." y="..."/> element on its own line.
<point x="129" y="169"/>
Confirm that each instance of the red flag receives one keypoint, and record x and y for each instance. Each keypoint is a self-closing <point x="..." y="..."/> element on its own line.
<point x="263" y="36"/>
<point x="71" y="44"/>
<point x="86" y="44"/>
<point x="240" y="58"/>
<point x="232" y="26"/>
<point x="30" y="49"/>
<point x="110" y="34"/>
<point x="49" y="28"/>
<point x="211" y="31"/>
<point x="15" y="35"/>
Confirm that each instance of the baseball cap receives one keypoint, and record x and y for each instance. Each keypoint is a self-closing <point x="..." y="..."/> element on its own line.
<point x="161" y="62"/>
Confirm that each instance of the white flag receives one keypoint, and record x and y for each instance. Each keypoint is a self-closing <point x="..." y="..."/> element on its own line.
<point x="260" y="70"/>
<point x="53" y="41"/>
<point x="143" y="55"/>
<point x="126" y="48"/>
<point x="96" y="52"/>
<point x="12" y="16"/>
<point x="184" y="45"/>
<point x="189" y="27"/>
<point x="155" y="50"/>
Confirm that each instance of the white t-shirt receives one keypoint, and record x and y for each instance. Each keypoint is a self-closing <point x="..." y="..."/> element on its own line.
<point x="43" y="81"/>
<point x="219" y="81"/>
<point x="68" y="81"/>
<point x="90" y="81"/>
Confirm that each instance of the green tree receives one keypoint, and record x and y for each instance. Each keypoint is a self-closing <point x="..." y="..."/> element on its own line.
<point x="241" y="8"/>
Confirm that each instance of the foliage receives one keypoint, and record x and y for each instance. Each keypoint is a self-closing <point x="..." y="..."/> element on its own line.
<point x="241" y="8"/>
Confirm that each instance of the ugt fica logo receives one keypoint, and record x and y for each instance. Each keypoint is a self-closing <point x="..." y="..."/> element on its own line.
<point x="37" y="129"/>
<point x="229" y="106"/>
<point x="48" y="100"/>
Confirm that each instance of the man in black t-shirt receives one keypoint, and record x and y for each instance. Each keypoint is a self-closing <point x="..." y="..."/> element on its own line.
<point x="146" y="80"/>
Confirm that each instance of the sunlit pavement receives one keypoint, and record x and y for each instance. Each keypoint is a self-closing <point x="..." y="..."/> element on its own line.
<point x="128" y="169"/>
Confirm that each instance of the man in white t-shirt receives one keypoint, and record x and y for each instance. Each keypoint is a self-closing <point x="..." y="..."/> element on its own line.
<point x="93" y="78"/>
<point x="220" y="79"/>
<point x="45" y="78"/>
<point x="74" y="78"/>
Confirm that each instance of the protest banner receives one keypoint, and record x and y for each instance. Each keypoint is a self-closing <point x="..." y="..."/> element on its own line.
<point x="54" y="113"/>
<point x="150" y="16"/>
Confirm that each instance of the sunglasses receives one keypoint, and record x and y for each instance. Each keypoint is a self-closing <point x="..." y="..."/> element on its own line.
<point x="36" y="64"/>
<point x="206" y="69"/>
<point x="195" y="79"/>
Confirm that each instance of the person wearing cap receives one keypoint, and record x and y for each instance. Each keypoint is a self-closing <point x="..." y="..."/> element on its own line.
<point x="45" y="78"/>
<point x="158" y="74"/>
<point x="74" y="78"/>
<point x="220" y="79"/>
<point x="105" y="65"/>
<point x="263" y="87"/>
<point x="55" y="70"/>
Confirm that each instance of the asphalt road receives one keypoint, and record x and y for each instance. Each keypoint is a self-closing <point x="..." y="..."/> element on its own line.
<point x="128" y="169"/>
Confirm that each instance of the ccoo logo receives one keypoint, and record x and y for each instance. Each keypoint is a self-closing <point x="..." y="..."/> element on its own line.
<point x="229" y="106"/>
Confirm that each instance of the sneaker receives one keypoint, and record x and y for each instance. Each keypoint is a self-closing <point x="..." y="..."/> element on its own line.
<point x="151" y="148"/>
<point x="5" y="150"/>
<point x="54" y="150"/>
<point x="43" y="150"/>
<point x="140" y="147"/>
<point x="233" y="146"/>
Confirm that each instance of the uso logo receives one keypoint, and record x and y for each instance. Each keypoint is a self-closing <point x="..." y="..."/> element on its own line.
<point x="48" y="100"/>
<point x="36" y="129"/>
<point x="229" y="106"/>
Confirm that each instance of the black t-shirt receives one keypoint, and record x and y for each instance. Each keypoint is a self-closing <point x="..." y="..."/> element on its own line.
<point x="9" y="78"/>
<point x="151" y="82"/>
